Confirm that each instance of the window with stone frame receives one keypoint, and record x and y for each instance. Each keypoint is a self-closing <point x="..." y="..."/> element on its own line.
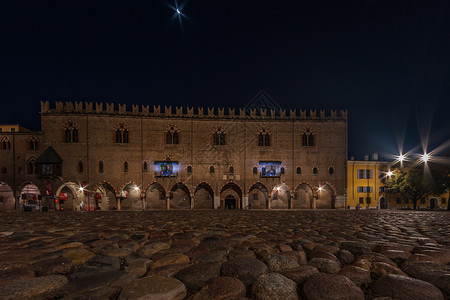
<point x="211" y="169"/>
<point x="255" y="170"/>
<point x="331" y="170"/>
<point x="145" y="167"/>
<point x="308" y="138"/>
<point x="33" y="144"/>
<point x="80" y="167"/>
<point x="5" y="143"/>
<point x="315" y="171"/>
<point x="299" y="170"/>
<point x="189" y="170"/>
<point x="172" y="135"/>
<point x="122" y="134"/>
<point x="219" y="136"/>
<point x="125" y="166"/>
<point x="264" y="137"/>
<point x="31" y="166"/>
<point x="100" y="167"/>
<point x="70" y="133"/>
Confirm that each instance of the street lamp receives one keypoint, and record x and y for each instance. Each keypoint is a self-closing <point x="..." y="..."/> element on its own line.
<point x="425" y="157"/>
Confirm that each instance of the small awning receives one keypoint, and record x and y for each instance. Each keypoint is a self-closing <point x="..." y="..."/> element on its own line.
<point x="49" y="157"/>
<point x="270" y="162"/>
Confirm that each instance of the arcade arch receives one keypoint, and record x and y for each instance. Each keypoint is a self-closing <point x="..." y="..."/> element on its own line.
<point x="281" y="197"/>
<point x="155" y="197"/>
<point x="326" y="197"/>
<point x="180" y="197"/>
<point x="130" y="197"/>
<point x="231" y="196"/>
<point x="258" y="196"/>
<point x="204" y="196"/>
<point x="105" y="197"/>
<point x="304" y="197"/>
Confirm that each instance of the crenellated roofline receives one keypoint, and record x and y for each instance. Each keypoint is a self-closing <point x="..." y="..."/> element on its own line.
<point x="189" y="112"/>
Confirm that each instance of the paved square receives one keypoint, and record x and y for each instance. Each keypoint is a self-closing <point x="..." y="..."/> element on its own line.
<point x="320" y="254"/>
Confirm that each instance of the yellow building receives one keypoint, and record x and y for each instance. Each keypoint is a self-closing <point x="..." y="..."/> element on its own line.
<point x="366" y="188"/>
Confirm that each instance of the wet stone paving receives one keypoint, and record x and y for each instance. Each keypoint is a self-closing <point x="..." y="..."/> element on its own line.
<point x="221" y="254"/>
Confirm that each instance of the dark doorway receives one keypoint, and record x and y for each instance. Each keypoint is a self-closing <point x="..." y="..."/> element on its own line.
<point x="383" y="203"/>
<point x="433" y="203"/>
<point x="230" y="202"/>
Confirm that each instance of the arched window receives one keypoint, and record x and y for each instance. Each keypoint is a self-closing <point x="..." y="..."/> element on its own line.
<point x="331" y="170"/>
<point x="80" y="167"/>
<point x="30" y="167"/>
<point x="189" y="170"/>
<point x="255" y="170"/>
<point x="172" y="136"/>
<point x="211" y="169"/>
<point x="219" y="137"/>
<point x="3" y="170"/>
<point x="264" y="138"/>
<point x="315" y="171"/>
<point x="145" y="167"/>
<point x="299" y="170"/>
<point x="100" y="167"/>
<point x="122" y="134"/>
<point x="125" y="166"/>
<point x="308" y="138"/>
<point x="231" y="170"/>
<point x="70" y="133"/>
<point x="6" y="144"/>
<point x="33" y="144"/>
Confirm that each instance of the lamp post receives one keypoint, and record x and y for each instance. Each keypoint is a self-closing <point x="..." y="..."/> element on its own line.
<point x="388" y="176"/>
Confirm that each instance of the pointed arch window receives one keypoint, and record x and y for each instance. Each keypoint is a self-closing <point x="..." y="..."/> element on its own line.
<point x="33" y="144"/>
<point x="100" y="167"/>
<point x="6" y="144"/>
<point x="145" y="167"/>
<point x="299" y="170"/>
<point x="315" y="171"/>
<point x="125" y="166"/>
<point x="70" y="133"/>
<point x="80" y="167"/>
<point x="122" y="134"/>
<point x="219" y="137"/>
<point x="211" y="169"/>
<point x="264" y="138"/>
<point x="189" y="170"/>
<point x="31" y="167"/>
<point x="331" y="170"/>
<point x="308" y="138"/>
<point x="172" y="136"/>
<point x="255" y="170"/>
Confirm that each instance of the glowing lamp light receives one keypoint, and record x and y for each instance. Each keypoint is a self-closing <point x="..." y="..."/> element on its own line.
<point x="320" y="188"/>
<point x="81" y="189"/>
<point x="401" y="158"/>
<point x="389" y="174"/>
<point x="136" y="188"/>
<point x="426" y="157"/>
<point x="178" y="11"/>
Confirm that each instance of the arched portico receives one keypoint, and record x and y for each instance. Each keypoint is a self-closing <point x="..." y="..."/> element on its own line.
<point x="155" y="197"/>
<point x="130" y="197"/>
<point x="258" y="196"/>
<point x="304" y="197"/>
<point x="326" y="196"/>
<point x="72" y="197"/>
<point x="229" y="192"/>
<point x="180" y="196"/>
<point x="105" y="197"/>
<point x="203" y="196"/>
<point x="30" y="196"/>
<point x="281" y="197"/>
<point x="7" y="201"/>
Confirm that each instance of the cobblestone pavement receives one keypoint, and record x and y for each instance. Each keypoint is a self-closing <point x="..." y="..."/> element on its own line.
<point x="221" y="254"/>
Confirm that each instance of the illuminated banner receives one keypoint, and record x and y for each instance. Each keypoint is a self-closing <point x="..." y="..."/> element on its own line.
<point x="124" y="194"/>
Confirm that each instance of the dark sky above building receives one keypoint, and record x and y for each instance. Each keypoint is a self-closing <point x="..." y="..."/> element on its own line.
<point x="387" y="62"/>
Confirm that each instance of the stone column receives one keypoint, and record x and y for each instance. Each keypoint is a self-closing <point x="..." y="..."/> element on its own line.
<point x="167" y="201"/>
<point x="143" y="200"/>
<point x="119" y="200"/>
<point x="216" y="201"/>
<point x="245" y="202"/>
<point x="192" y="202"/>
<point x="269" y="206"/>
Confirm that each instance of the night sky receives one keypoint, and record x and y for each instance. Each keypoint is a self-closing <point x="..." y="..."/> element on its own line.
<point x="387" y="62"/>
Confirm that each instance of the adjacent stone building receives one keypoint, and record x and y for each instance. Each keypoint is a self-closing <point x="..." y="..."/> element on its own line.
<point x="104" y="156"/>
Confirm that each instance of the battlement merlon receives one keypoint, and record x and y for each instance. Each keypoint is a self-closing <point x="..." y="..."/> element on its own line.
<point x="189" y="112"/>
